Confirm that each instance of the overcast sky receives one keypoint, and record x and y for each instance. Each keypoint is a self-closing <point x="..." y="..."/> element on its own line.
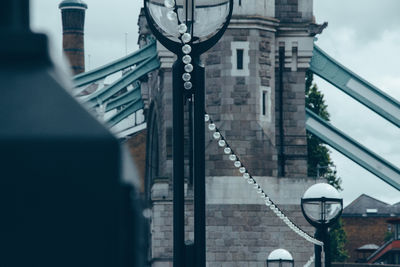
<point x="364" y="35"/>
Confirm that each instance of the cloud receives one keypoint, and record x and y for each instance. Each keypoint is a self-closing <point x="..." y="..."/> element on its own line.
<point x="369" y="17"/>
<point x="363" y="36"/>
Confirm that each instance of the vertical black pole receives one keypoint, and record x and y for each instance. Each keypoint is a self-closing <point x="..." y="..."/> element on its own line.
<point x="199" y="165"/>
<point x="190" y="106"/>
<point x="281" y="167"/>
<point x="178" y="164"/>
<point x="318" y="249"/>
<point x="327" y="247"/>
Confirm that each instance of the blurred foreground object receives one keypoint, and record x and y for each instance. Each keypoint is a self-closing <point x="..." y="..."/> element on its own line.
<point x="66" y="186"/>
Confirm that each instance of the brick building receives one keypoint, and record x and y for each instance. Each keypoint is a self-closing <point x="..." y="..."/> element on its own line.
<point x="365" y="222"/>
<point x="262" y="117"/>
<point x="389" y="253"/>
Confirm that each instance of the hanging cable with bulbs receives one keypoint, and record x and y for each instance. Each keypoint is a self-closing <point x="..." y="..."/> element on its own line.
<point x="222" y="142"/>
<point x="251" y="181"/>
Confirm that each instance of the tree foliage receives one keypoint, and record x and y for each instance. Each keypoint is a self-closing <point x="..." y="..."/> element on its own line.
<point x="319" y="160"/>
<point x="338" y="240"/>
<point x="320" y="164"/>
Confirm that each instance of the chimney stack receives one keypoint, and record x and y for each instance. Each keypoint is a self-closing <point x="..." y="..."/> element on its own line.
<point x="73" y="21"/>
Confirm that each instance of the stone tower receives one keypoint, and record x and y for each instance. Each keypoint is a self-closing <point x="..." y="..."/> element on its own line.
<point x="73" y="22"/>
<point x="255" y="94"/>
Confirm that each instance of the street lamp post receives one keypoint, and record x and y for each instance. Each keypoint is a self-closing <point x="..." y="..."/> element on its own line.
<point x="322" y="206"/>
<point x="280" y="258"/>
<point x="188" y="28"/>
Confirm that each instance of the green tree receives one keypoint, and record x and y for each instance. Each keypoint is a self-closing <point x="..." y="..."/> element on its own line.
<point x="320" y="163"/>
<point x="338" y="240"/>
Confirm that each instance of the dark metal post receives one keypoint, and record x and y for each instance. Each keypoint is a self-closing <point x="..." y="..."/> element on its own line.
<point x="178" y="165"/>
<point x="189" y="253"/>
<point x="191" y="158"/>
<point x="318" y="249"/>
<point x="327" y="247"/>
<point x="199" y="165"/>
<point x="281" y="167"/>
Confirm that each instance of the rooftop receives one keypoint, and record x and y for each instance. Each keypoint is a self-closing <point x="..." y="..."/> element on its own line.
<point x="367" y="206"/>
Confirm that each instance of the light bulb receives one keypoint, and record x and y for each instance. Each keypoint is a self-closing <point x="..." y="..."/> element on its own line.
<point x="186" y="49"/>
<point x="188" y="85"/>
<point x="186" y="77"/>
<point x="187" y="59"/>
<point x="206" y="116"/>
<point x="182" y="28"/>
<point x="211" y="126"/>
<point x="189" y="68"/>
<point x="242" y="169"/>
<point x="221" y="143"/>
<point x="227" y="150"/>
<point x="246" y="175"/>
<point x="237" y="164"/>
<point x="250" y="181"/>
<point x="217" y="135"/>
<point x="186" y="37"/>
<point x="232" y="157"/>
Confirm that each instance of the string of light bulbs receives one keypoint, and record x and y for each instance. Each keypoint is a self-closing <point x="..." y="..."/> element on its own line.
<point x="251" y="181"/>
<point x="185" y="38"/>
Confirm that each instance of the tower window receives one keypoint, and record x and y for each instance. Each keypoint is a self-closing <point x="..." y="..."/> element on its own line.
<point x="265" y="104"/>
<point x="239" y="59"/>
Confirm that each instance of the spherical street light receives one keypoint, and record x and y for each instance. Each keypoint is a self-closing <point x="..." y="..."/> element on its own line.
<point x="322" y="206"/>
<point x="188" y="28"/>
<point x="280" y="258"/>
<point x="200" y="23"/>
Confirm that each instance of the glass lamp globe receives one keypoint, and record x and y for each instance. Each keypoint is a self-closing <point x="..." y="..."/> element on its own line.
<point x="322" y="204"/>
<point x="202" y="19"/>
<point x="280" y="258"/>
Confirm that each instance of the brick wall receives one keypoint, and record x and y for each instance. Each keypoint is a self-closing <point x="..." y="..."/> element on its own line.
<point x="294" y="11"/>
<point x="287" y="11"/>
<point x="237" y="235"/>
<point x="361" y="231"/>
<point x="233" y="102"/>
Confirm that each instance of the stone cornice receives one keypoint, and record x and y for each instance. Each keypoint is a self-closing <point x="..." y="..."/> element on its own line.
<point x="254" y="22"/>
